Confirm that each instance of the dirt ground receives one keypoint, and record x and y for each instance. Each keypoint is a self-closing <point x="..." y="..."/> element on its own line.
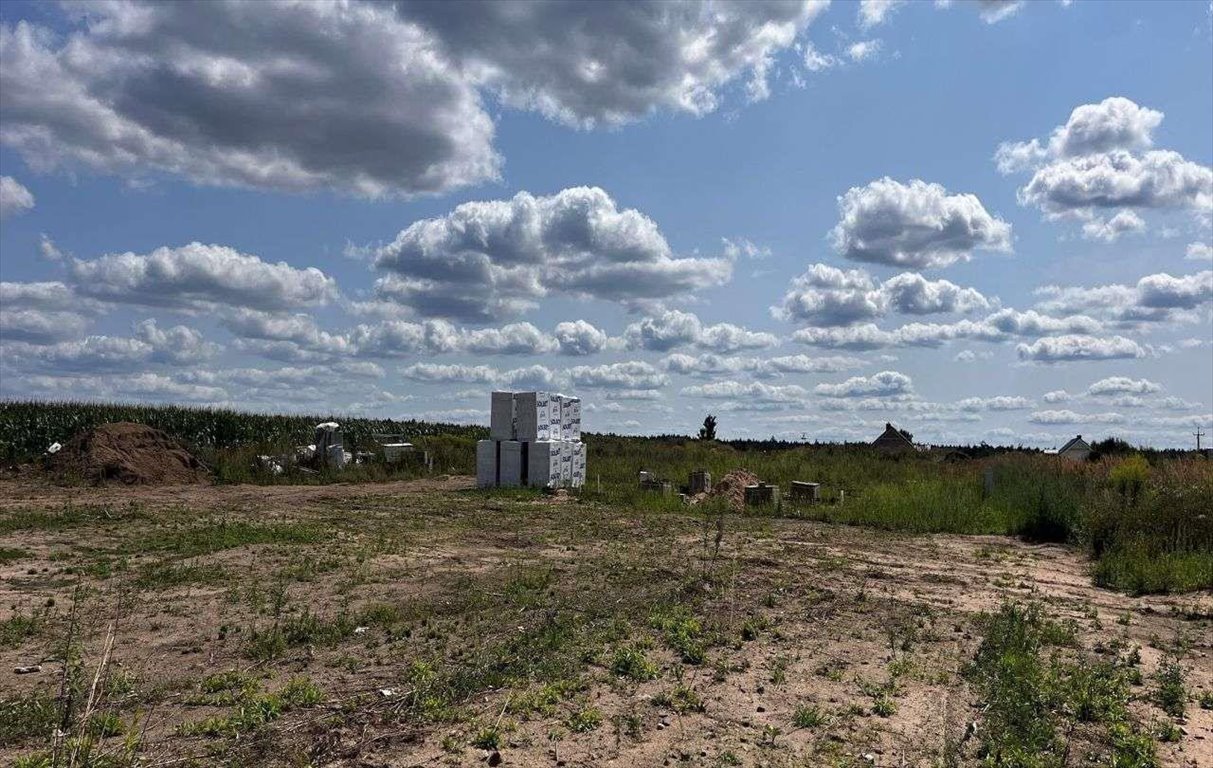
<point x="447" y="626"/>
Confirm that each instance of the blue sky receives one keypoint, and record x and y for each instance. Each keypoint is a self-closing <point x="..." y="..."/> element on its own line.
<point x="980" y="221"/>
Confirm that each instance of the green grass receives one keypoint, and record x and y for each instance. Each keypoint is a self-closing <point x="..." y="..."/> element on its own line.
<point x="251" y="713"/>
<point x="28" y="427"/>
<point x="1140" y="571"/>
<point x="584" y="719"/>
<point x="219" y="535"/>
<point x="168" y="575"/>
<point x="20" y="626"/>
<point x="683" y="633"/>
<point x="13" y="554"/>
<point x="28" y="717"/>
<point x="70" y="516"/>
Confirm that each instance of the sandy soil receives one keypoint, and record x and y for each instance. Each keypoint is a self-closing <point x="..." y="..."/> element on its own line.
<point x="813" y="616"/>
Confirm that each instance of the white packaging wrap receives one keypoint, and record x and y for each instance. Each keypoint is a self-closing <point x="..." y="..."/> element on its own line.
<point x="532" y="416"/>
<point x="579" y="468"/>
<point x="543" y="463"/>
<point x="567" y="450"/>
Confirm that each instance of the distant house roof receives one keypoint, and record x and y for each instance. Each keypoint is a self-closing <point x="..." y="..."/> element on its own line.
<point x="892" y="438"/>
<point x="1077" y="444"/>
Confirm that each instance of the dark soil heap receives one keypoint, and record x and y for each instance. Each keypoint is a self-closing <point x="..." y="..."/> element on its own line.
<point x="128" y="452"/>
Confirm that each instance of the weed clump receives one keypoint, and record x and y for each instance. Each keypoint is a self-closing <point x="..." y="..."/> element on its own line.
<point x="1033" y="690"/>
<point x="634" y="665"/>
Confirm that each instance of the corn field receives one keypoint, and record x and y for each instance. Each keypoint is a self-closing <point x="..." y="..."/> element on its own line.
<point x="27" y="427"/>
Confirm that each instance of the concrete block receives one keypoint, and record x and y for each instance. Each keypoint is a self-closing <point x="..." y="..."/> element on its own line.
<point x="699" y="482"/>
<point x="509" y="464"/>
<point x="486" y="463"/>
<point x="501" y="416"/>
<point x="761" y="495"/>
<point x="802" y="491"/>
<point x="664" y="487"/>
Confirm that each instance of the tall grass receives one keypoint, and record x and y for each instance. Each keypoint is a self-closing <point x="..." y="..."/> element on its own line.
<point x="1157" y="537"/>
<point x="1148" y="526"/>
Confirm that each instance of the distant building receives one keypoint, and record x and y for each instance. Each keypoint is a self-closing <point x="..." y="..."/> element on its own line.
<point x="1075" y="450"/>
<point x="893" y="440"/>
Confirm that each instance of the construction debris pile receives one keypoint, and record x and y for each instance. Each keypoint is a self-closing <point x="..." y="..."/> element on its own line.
<point x="135" y="454"/>
<point x="731" y="488"/>
<point x="327" y="451"/>
<point x="742" y="488"/>
<point x="534" y="440"/>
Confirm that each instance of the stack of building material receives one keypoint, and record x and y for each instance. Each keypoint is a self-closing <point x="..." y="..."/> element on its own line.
<point x="329" y="450"/>
<point x="534" y="440"/>
<point x="761" y="494"/>
<point x="802" y="491"/>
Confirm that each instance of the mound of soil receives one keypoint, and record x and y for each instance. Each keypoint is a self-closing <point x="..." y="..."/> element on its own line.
<point x="731" y="487"/>
<point x="128" y="452"/>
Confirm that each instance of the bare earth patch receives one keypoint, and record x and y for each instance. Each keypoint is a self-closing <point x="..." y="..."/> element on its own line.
<point x="446" y="626"/>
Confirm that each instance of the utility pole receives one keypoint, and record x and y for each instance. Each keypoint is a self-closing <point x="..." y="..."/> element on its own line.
<point x="1198" y="435"/>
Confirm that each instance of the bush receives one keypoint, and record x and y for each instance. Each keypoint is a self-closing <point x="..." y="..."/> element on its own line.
<point x="1150" y="530"/>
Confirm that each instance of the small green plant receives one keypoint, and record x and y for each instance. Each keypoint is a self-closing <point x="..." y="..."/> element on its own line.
<point x="301" y="692"/>
<point x="633" y="664"/>
<point x="105" y="725"/>
<point x="1206" y="700"/>
<point x="681" y="699"/>
<point x="26" y="717"/>
<point x="779" y="669"/>
<point x="225" y="688"/>
<point x="629" y="723"/>
<point x="487" y="738"/>
<point x="1170" y="694"/>
<point x="683" y="633"/>
<point x="808" y="717"/>
<point x="1167" y="732"/>
<point x="15" y="630"/>
<point x="752" y="627"/>
<point x="584" y="719"/>
<point x="254" y="712"/>
<point x="883" y="705"/>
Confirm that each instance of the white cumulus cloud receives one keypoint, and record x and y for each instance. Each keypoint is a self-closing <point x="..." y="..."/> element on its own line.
<point x="916" y="225"/>
<point x="198" y="276"/>
<point x="492" y="259"/>
<point x="883" y="384"/>
<point x="1071" y="348"/>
